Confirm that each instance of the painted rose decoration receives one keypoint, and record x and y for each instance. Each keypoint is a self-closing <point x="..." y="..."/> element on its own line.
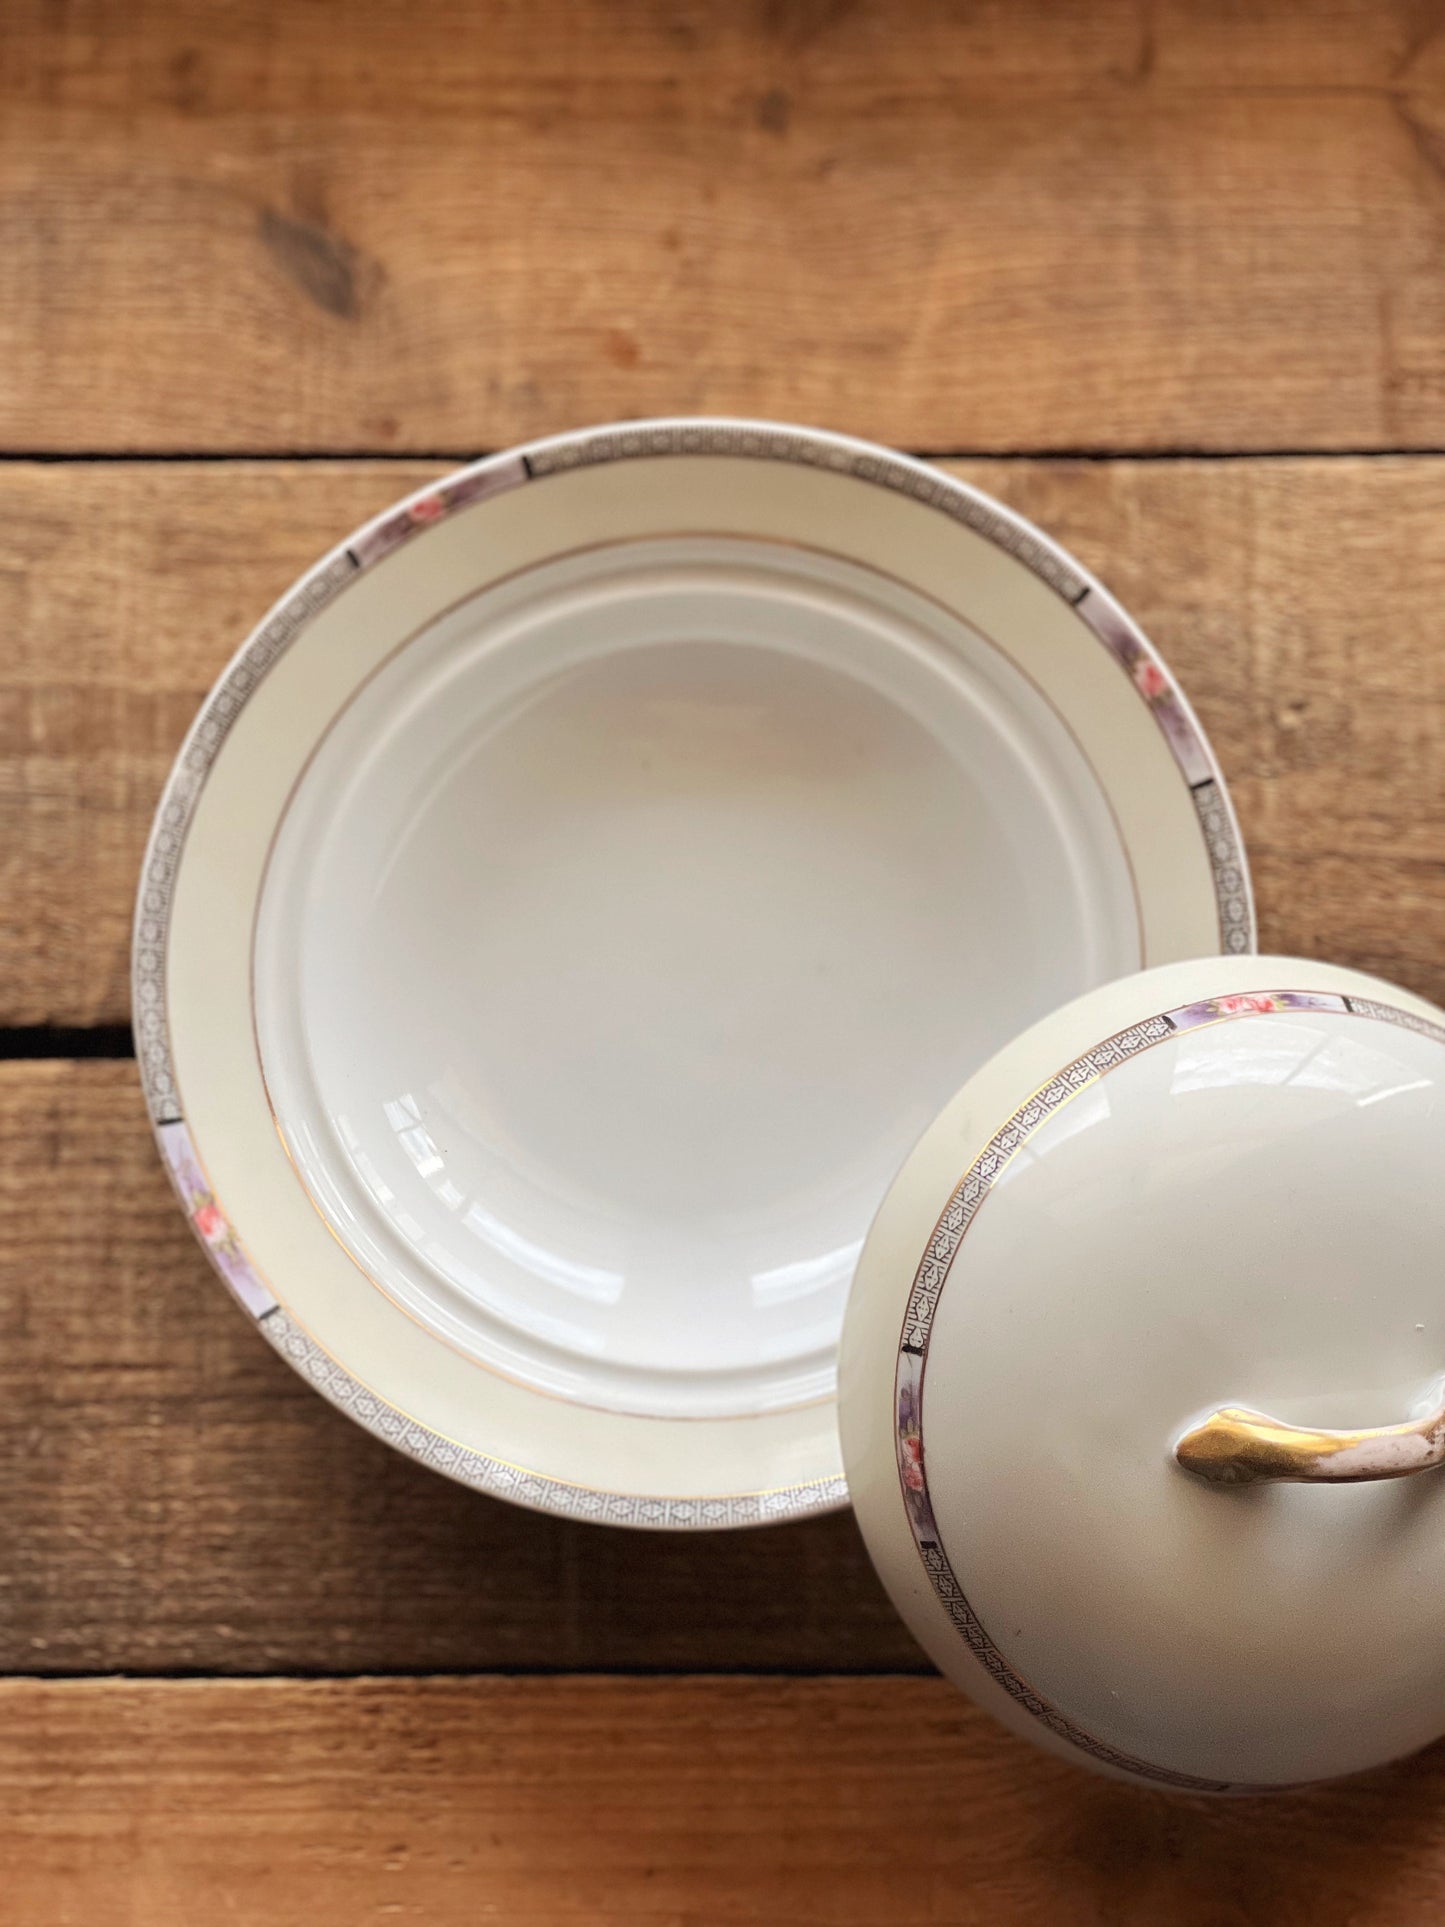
<point x="1150" y="679"/>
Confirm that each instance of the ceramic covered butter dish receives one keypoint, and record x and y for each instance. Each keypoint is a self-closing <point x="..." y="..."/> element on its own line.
<point x="569" y="908"/>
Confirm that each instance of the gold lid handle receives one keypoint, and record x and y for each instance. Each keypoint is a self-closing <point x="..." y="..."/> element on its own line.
<point x="1238" y="1447"/>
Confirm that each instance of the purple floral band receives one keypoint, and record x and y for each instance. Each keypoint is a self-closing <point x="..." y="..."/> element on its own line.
<point x="209" y="1222"/>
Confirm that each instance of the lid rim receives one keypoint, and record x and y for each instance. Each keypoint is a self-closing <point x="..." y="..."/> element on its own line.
<point x="930" y="1276"/>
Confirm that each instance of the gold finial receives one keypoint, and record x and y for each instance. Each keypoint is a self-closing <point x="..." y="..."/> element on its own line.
<point x="1235" y="1446"/>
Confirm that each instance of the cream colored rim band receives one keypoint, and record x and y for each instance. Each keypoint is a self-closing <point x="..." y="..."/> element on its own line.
<point x="331" y="577"/>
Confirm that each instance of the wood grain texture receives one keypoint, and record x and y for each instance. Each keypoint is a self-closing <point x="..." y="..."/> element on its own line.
<point x="553" y="1803"/>
<point x="275" y="227"/>
<point x="124" y="589"/>
<point x="1138" y="226"/>
<point x="173" y="1497"/>
<point x="1299" y="599"/>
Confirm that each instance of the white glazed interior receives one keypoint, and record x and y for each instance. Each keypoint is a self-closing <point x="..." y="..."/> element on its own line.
<point x="1245" y="1213"/>
<point x="250" y="750"/>
<point x="628" y="927"/>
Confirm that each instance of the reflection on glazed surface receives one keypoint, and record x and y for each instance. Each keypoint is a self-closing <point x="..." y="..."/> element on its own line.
<point x="1240" y="1210"/>
<point x="1235" y="1446"/>
<point x="618" y="946"/>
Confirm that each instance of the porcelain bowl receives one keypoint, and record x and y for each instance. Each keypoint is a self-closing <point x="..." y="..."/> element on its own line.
<point x="582" y="890"/>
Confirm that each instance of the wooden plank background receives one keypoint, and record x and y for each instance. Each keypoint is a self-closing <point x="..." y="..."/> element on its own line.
<point x="1028" y="224"/>
<point x="1168" y="276"/>
<point x="650" y="1803"/>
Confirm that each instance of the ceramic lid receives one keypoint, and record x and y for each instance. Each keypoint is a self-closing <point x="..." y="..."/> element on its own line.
<point x="1141" y="1377"/>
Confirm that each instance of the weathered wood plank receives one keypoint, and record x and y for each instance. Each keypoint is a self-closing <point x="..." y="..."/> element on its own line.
<point x="449" y="227"/>
<point x="680" y="1803"/>
<point x="173" y="1497"/>
<point x="1299" y="599"/>
<point x="123" y="590"/>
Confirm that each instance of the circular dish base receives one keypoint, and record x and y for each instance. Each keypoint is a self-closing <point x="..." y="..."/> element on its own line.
<point x="875" y="772"/>
<point x="629" y="926"/>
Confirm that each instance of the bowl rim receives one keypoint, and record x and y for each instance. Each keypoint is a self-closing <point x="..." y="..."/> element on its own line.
<point x="314" y="591"/>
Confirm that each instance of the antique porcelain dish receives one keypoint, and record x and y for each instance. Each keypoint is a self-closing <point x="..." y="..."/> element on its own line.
<point x="1141" y="1386"/>
<point x="579" y="893"/>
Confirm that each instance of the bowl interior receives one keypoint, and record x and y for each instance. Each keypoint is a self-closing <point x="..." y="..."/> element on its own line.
<point x="629" y="924"/>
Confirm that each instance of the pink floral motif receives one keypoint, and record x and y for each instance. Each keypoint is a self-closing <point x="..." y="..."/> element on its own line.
<point x="1150" y="679"/>
<point x="1243" y="1003"/>
<point x="913" y="1463"/>
<point x="210" y="1223"/>
<point x="429" y="508"/>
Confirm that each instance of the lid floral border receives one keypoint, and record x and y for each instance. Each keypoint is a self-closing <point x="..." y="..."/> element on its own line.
<point x="329" y="579"/>
<point x="927" y="1289"/>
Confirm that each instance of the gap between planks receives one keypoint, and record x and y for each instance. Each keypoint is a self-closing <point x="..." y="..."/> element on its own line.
<point x="119" y="457"/>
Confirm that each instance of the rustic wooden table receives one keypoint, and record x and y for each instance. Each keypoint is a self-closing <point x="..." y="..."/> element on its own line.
<point x="1169" y="277"/>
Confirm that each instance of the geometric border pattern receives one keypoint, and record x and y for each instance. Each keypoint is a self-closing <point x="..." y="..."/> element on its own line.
<point x="177" y="806"/>
<point x="504" y="1481"/>
<point x="1231" y="874"/>
<point x="335" y="573"/>
<point x="933" y="1273"/>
